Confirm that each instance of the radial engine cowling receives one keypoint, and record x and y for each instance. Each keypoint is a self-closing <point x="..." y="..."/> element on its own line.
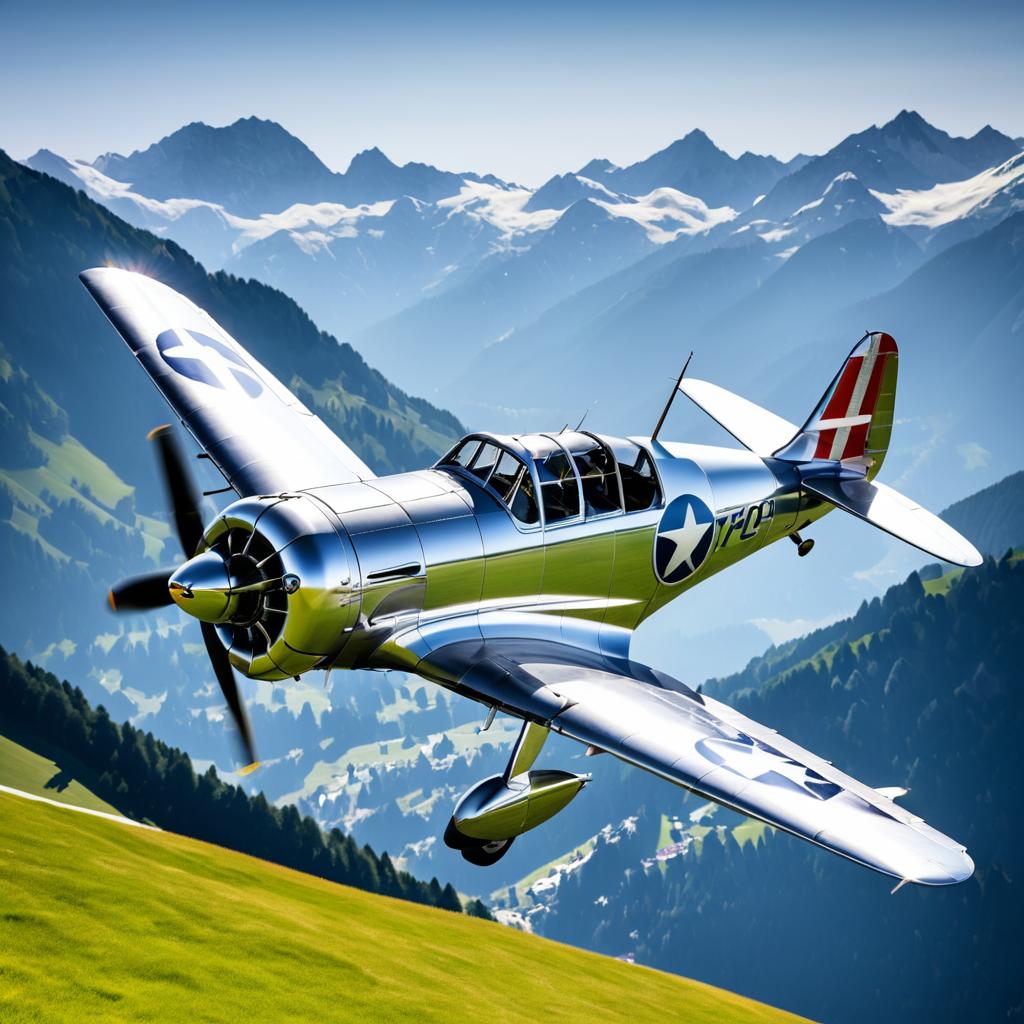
<point x="290" y="572"/>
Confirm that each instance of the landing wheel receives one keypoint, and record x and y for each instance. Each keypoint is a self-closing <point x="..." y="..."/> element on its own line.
<point x="486" y="853"/>
<point x="453" y="838"/>
<point x="482" y="852"/>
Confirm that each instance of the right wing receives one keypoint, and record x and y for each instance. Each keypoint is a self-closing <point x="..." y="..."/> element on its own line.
<point x="256" y="432"/>
<point x="657" y="723"/>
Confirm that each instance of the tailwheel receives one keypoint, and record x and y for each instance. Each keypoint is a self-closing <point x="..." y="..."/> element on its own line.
<point x="803" y="546"/>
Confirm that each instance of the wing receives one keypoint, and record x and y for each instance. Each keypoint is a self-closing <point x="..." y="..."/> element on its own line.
<point x="256" y="432"/>
<point x="659" y="724"/>
<point x="755" y="428"/>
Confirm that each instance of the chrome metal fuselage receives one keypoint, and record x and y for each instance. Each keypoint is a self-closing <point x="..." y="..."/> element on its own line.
<point x="395" y="566"/>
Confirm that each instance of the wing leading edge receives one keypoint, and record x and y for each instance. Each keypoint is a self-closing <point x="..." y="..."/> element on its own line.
<point x="257" y="433"/>
<point x="655" y="722"/>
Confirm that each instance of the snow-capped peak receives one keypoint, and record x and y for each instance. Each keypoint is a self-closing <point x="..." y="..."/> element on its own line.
<point x="843" y="189"/>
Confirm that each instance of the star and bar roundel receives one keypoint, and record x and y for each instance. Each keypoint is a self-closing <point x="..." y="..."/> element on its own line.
<point x="206" y="360"/>
<point x="684" y="538"/>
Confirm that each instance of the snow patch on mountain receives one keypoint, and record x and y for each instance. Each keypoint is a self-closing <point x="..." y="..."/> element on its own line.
<point x="312" y="243"/>
<point x="502" y="208"/>
<point x="949" y="201"/>
<point x="667" y="213"/>
<point x="664" y="213"/>
<point x="845" y="199"/>
<point x="832" y="188"/>
<point x="107" y="188"/>
<point x="328" y="219"/>
<point x="311" y="225"/>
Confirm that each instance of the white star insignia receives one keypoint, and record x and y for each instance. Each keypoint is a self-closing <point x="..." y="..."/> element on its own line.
<point x="686" y="539"/>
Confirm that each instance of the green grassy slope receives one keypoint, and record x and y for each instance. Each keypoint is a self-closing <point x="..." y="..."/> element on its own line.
<point x="61" y="779"/>
<point x="100" y="922"/>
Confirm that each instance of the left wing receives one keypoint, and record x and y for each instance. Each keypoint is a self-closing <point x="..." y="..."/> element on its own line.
<point x="657" y="723"/>
<point x="256" y="432"/>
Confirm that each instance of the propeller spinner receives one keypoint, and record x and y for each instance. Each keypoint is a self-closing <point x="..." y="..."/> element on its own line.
<point x="204" y="586"/>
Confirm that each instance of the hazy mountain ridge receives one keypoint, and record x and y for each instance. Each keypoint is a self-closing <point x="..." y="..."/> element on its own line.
<point x="254" y="166"/>
<point x="585" y="245"/>
<point x="904" y="153"/>
<point x="374" y="276"/>
<point x="696" y="166"/>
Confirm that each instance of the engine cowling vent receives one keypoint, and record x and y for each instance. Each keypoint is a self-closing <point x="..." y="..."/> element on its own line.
<point x="291" y="573"/>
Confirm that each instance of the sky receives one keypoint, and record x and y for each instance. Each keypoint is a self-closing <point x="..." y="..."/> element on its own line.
<point x="520" y="90"/>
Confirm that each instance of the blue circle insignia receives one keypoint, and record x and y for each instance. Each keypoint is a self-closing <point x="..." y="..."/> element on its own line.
<point x="684" y="539"/>
<point x="206" y="360"/>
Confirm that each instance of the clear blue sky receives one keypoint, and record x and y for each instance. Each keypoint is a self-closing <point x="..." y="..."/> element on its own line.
<point x="520" y="89"/>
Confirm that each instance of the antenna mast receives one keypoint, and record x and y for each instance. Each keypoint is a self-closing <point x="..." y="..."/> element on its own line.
<point x="671" y="398"/>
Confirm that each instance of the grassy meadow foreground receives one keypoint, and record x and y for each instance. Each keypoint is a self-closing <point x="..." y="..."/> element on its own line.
<point x="101" y="922"/>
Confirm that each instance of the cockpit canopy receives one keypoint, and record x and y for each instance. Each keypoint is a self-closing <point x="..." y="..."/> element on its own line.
<point x="552" y="479"/>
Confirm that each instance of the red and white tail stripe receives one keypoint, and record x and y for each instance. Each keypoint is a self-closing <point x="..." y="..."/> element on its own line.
<point x="845" y="420"/>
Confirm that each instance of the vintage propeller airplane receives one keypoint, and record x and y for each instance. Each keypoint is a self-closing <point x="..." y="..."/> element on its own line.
<point x="515" y="570"/>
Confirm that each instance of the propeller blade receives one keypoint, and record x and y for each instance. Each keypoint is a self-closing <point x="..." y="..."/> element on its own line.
<point x="229" y="687"/>
<point x="181" y="491"/>
<point x="141" y="593"/>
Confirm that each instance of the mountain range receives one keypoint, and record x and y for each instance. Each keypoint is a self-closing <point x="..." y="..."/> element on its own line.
<point x="412" y="263"/>
<point x="696" y="166"/>
<point x="254" y="166"/>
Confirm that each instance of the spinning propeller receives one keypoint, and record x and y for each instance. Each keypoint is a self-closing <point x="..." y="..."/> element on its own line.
<point x="204" y="586"/>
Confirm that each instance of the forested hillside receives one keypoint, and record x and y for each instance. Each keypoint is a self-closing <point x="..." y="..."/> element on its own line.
<point x="49" y="233"/>
<point x="149" y="780"/>
<point x="992" y="517"/>
<point x="80" y="501"/>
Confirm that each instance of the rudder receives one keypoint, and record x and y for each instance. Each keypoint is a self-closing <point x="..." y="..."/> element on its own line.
<point x="853" y="420"/>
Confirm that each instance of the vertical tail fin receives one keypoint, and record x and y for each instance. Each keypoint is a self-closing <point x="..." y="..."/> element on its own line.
<point x="840" y="448"/>
<point x="853" y="420"/>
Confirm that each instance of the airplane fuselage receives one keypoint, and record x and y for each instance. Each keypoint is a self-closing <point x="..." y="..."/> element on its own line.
<point x="386" y="569"/>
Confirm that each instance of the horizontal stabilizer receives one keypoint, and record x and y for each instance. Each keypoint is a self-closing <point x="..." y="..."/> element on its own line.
<point x="755" y="428"/>
<point x="891" y="511"/>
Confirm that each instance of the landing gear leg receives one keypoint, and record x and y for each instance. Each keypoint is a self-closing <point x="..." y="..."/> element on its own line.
<point x="484" y="852"/>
